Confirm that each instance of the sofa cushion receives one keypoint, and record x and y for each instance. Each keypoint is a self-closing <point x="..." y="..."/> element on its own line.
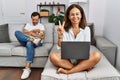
<point x="102" y="71"/>
<point x="93" y="41"/>
<point x="39" y="51"/>
<point x="55" y="34"/>
<point x="48" y="32"/>
<point x="4" y="36"/>
<point x="5" y="49"/>
<point x="49" y="73"/>
<point x="91" y="25"/>
<point x="12" y="29"/>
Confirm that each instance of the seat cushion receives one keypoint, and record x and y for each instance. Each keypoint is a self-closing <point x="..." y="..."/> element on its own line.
<point x="39" y="51"/>
<point x="49" y="73"/>
<point x="5" y="49"/>
<point x="102" y="71"/>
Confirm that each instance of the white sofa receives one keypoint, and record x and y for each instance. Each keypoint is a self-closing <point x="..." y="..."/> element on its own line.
<point x="14" y="55"/>
<point x="104" y="70"/>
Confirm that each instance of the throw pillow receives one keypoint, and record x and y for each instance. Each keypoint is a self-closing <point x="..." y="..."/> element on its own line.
<point x="91" y="25"/>
<point x="4" y="36"/>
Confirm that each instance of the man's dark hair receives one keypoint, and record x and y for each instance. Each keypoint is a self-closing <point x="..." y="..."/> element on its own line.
<point x="35" y="14"/>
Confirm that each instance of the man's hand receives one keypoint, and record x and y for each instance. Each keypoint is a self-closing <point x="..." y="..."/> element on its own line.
<point x="36" y="31"/>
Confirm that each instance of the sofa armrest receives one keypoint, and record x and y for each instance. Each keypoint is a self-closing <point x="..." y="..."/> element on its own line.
<point x="107" y="48"/>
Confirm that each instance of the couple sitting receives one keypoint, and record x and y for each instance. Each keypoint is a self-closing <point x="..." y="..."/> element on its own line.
<point x="74" y="28"/>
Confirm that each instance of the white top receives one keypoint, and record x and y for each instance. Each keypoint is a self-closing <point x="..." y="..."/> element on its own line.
<point x="83" y="35"/>
<point x="30" y="26"/>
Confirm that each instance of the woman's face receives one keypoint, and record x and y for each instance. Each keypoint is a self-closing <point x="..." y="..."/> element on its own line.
<point x="75" y="16"/>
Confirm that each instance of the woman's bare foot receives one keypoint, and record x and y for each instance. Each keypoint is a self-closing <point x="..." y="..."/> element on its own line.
<point x="61" y="70"/>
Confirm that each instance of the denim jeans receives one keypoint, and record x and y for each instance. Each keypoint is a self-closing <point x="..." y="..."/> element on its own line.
<point x="30" y="46"/>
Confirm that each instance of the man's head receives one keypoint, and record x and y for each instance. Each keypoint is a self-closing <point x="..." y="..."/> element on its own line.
<point x="35" y="18"/>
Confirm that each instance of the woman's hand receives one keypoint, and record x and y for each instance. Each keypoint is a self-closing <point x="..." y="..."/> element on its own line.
<point x="60" y="29"/>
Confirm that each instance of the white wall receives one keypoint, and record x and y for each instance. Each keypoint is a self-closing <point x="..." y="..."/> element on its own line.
<point x="14" y="11"/>
<point x="112" y="25"/>
<point x="96" y="14"/>
<point x="1" y="13"/>
<point x="32" y="5"/>
<point x="94" y="11"/>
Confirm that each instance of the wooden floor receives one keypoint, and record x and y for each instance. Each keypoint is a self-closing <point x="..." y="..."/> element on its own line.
<point x="15" y="73"/>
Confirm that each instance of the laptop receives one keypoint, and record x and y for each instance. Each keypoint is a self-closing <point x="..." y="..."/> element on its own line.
<point x="75" y="50"/>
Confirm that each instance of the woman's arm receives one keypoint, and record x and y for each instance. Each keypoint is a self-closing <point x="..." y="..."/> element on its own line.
<point x="60" y="39"/>
<point x="87" y="34"/>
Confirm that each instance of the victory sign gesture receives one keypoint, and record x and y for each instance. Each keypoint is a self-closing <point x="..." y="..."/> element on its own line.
<point x="60" y="29"/>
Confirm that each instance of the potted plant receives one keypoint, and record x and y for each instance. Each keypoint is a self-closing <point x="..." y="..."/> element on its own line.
<point x="56" y="19"/>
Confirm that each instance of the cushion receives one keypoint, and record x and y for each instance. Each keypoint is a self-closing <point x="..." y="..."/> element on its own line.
<point x="4" y="36"/>
<point x="48" y="32"/>
<point x="39" y="51"/>
<point x="55" y="34"/>
<point x="49" y="73"/>
<point x="91" y="25"/>
<point x="102" y="71"/>
<point x="12" y="29"/>
<point x="5" y="49"/>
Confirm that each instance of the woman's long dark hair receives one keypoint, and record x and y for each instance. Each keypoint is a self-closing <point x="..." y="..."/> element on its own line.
<point x="68" y="24"/>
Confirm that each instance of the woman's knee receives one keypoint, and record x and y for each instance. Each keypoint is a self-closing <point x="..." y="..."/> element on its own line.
<point x="97" y="56"/>
<point x="54" y="58"/>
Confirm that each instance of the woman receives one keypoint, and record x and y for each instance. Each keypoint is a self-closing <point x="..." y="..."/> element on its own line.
<point x="74" y="28"/>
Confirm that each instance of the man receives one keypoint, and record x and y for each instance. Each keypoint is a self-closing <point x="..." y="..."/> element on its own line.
<point x="31" y="37"/>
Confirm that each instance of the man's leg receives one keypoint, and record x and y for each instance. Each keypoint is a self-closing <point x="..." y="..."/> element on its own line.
<point x="30" y="55"/>
<point x="30" y="52"/>
<point x="22" y="38"/>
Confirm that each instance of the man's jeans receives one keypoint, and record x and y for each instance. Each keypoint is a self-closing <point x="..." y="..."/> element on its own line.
<point x="30" y="46"/>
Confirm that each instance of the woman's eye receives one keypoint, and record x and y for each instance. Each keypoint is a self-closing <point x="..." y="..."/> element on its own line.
<point x="72" y="14"/>
<point x="77" y="13"/>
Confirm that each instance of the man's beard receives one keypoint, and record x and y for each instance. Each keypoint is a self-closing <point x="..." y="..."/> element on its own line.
<point x="34" y="23"/>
